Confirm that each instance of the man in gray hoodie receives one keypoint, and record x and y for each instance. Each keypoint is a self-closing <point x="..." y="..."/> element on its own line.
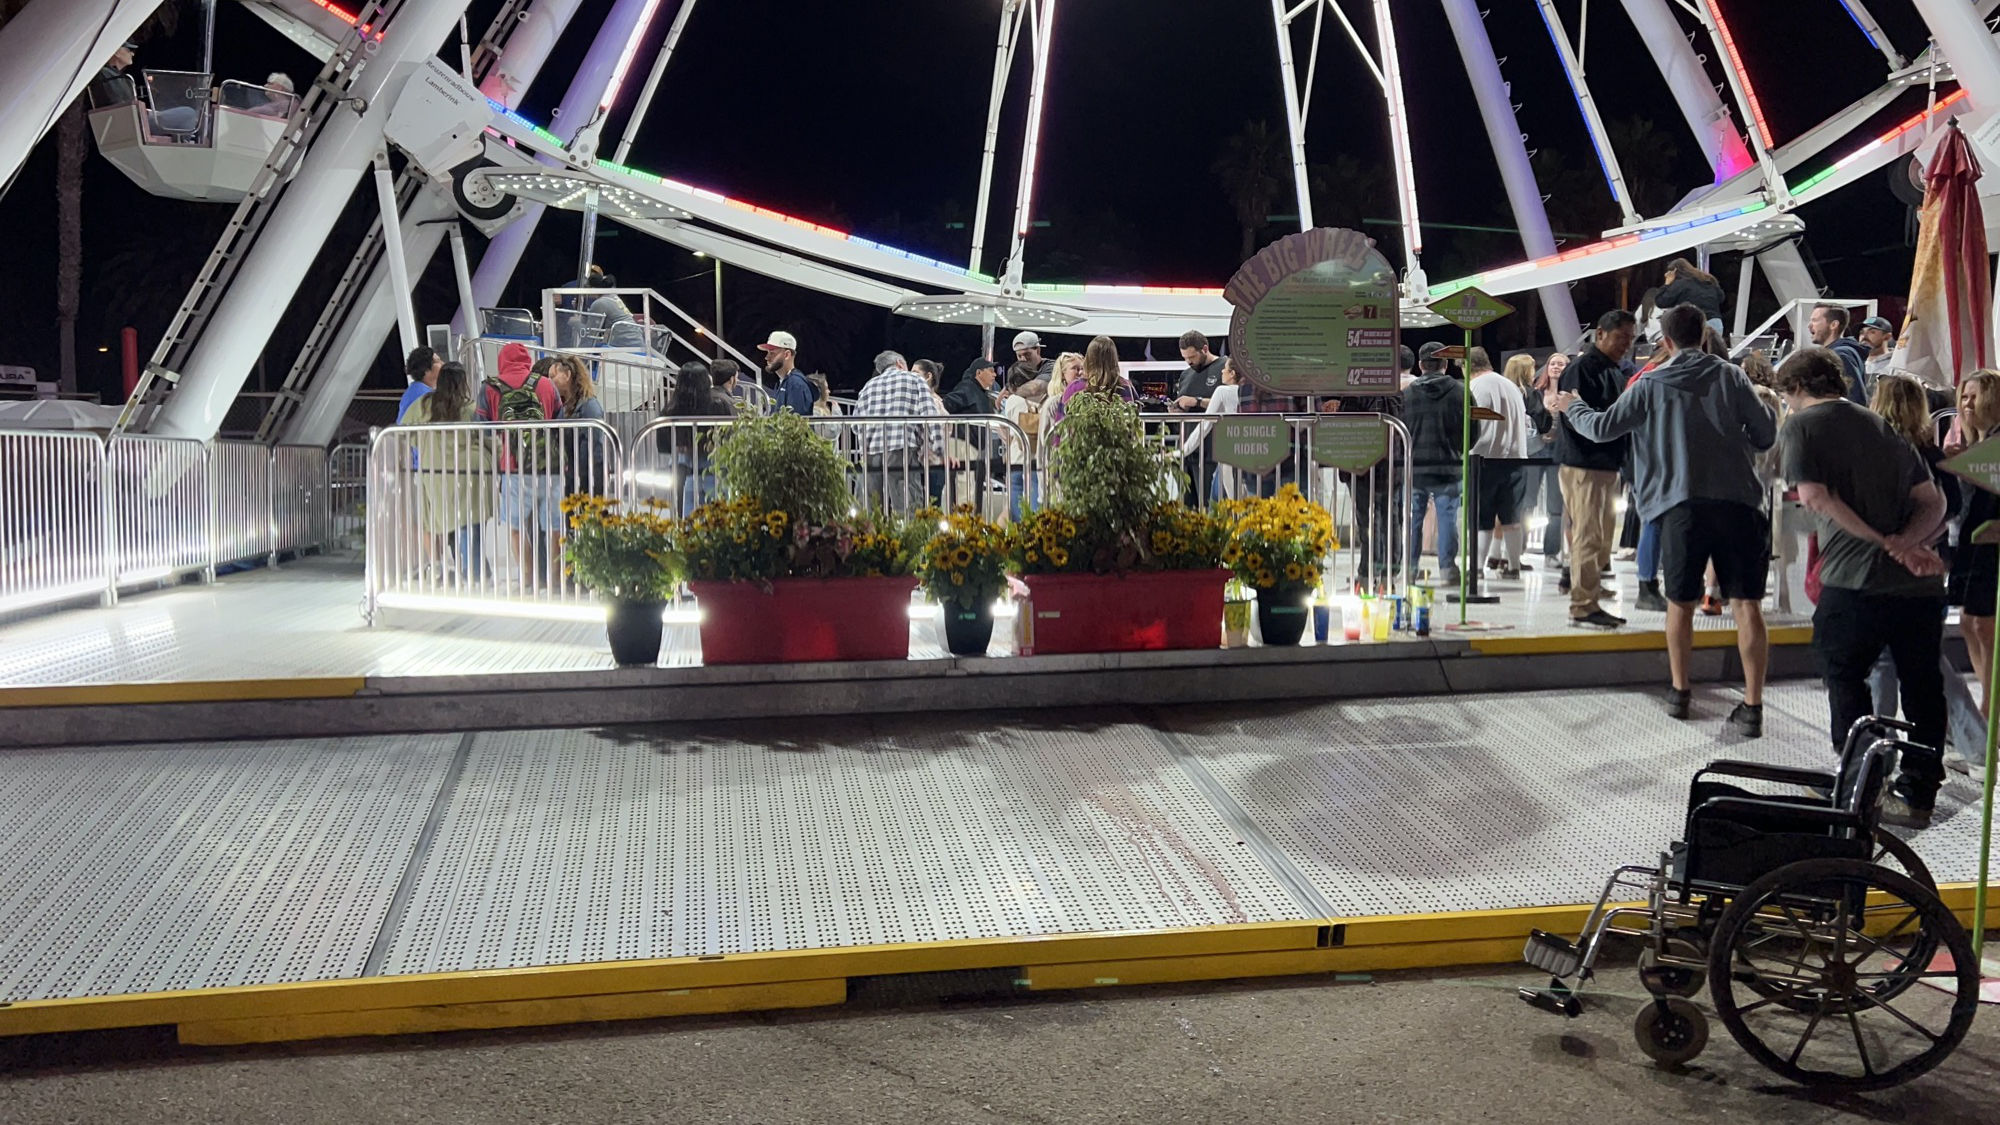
<point x="1697" y="427"/>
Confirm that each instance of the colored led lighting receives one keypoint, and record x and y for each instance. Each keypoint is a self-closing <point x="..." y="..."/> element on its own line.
<point x="1860" y="23"/>
<point x="1576" y="92"/>
<point x="1032" y="150"/>
<point x="1742" y="73"/>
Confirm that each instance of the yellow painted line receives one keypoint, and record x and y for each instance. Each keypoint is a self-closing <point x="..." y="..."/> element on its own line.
<point x="518" y="1013"/>
<point x="1286" y="963"/>
<point x="1623" y="642"/>
<point x="550" y="982"/>
<point x="189" y="691"/>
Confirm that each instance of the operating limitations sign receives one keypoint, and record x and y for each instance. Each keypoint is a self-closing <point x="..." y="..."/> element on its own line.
<point x="1316" y="314"/>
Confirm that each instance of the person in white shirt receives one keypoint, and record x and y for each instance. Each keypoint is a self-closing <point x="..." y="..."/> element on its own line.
<point x="1225" y="399"/>
<point x="1026" y="393"/>
<point x="1498" y="449"/>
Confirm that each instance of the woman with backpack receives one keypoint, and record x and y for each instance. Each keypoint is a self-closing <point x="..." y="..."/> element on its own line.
<point x="523" y="391"/>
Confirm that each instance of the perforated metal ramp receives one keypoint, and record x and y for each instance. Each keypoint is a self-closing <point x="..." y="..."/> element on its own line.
<point x="131" y="870"/>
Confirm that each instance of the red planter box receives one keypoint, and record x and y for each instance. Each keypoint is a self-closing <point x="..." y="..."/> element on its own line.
<point x="802" y="619"/>
<point x="1127" y="612"/>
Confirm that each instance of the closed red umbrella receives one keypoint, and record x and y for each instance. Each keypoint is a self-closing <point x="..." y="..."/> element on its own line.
<point x="1949" y="331"/>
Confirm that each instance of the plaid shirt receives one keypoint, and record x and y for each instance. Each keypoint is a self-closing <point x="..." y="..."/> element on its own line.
<point x="892" y="394"/>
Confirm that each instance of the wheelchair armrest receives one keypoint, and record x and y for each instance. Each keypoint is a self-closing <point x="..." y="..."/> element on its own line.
<point x="1740" y="808"/>
<point x="1757" y="771"/>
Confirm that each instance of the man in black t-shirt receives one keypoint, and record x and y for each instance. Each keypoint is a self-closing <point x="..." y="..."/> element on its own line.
<point x="1589" y="469"/>
<point x="1204" y="373"/>
<point x="1876" y="510"/>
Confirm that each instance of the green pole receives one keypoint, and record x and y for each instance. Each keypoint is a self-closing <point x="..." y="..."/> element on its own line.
<point x="1465" y="484"/>
<point x="1986" y="824"/>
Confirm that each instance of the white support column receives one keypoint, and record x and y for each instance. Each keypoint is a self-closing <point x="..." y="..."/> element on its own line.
<point x="462" y="273"/>
<point x="392" y="252"/>
<point x="1785" y="269"/>
<point x="1761" y="140"/>
<point x="1700" y="105"/>
<point x="1594" y="123"/>
<point x="1042" y="25"/>
<point x="579" y="105"/>
<point x="1871" y="28"/>
<point x="1295" y="126"/>
<point x="1743" y="280"/>
<point x="1003" y="64"/>
<point x="1503" y="133"/>
<point x="653" y="77"/>
<point x="324" y="181"/>
<point x="1399" y="142"/>
<point x="527" y="49"/>
<point x="48" y="54"/>
<point x="1962" y="35"/>
<point x="356" y="347"/>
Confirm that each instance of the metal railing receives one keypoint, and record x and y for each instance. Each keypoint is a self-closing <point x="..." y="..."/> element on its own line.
<point x="1371" y="509"/>
<point x="347" y="489"/>
<point x="53" y="511"/>
<point x="472" y="511"/>
<point x="84" y="516"/>
<point x="160" y="512"/>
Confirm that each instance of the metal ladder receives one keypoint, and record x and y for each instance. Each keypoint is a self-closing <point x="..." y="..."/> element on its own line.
<point x="316" y="353"/>
<point x="329" y="92"/>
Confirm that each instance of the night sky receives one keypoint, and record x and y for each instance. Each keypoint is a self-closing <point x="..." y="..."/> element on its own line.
<point x="867" y="116"/>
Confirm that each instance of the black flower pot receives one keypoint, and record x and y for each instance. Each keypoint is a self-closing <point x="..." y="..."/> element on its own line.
<point x="634" y="631"/>
<point x="1282" y="617"/>
<point x="967" y="632"/>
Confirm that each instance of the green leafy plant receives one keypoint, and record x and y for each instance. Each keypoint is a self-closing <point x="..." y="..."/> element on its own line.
<point x="964" y="562"/>
<point x="779" y="462"/>
<point x="621" y="554"/>
<point x="870" y="545"/>
<point x="1107" y="474"/>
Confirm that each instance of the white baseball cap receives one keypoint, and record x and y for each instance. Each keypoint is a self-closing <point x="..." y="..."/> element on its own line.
<point x="780" y="341"/>
<point x="1027" y="340"/>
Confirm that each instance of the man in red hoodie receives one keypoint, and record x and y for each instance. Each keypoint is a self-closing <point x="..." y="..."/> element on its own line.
<point x="530" y="495"/>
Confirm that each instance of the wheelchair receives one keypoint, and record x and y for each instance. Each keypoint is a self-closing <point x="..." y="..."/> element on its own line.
<point x="1820" y="937"/>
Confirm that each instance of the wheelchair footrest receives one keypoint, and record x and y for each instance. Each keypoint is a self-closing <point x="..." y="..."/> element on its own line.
<point x="1553" y="954"/>
<point x="1556" y="998"/>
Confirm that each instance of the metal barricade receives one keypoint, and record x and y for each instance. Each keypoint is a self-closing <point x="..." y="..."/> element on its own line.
<point x="239" y="487"/>
<point x="52" y="507"/>
<point x="895" y="464"/>
<point x="159" y="508"/>
<point x="347" y="496"/>
<point x="301" y="512"/>
<point x="1371" y="507"/>
<point x="468" y="515"/>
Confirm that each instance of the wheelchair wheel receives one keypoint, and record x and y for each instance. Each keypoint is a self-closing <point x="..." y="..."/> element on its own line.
<point x="1891" y="852"/>
<point x="1671" y="1031"/>
<point x="1814" y="971"/>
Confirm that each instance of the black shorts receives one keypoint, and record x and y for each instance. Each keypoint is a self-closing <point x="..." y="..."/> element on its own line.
<point x="1499" y="499"/>
<point x="1735" y="537"/>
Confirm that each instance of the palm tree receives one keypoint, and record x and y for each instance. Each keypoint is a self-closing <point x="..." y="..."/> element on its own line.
<point x="1253" y="169"/>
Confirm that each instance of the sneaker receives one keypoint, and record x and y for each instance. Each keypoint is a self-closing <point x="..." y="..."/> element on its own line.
<point x="1562" y="584"/>
<point x="1957" y="763"/>
<point x="1650" y="598"/>
<point x="1450" y="578"/>
<point x="1512" y="573"/>
<point x="1598" y="619"/>
<point x="1625" y="554"/>
<point x="1679" y="702"/>
<point x="1711" y="606"/>
<point x="1902" y="814"/>
<point x="1748" y="719"/>
<point x="1496" y="564"/>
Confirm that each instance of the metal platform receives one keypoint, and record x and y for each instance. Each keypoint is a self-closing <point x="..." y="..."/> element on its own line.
<point x="148" y="869"/>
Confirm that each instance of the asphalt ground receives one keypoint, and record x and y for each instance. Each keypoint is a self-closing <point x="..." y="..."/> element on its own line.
<point x="1429" y="1046"/>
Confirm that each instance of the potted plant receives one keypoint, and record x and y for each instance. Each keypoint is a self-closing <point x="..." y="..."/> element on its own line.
<point x="1277" y="546"/>
<point x="783" y="569"/>
<point x="1118" y="564"/>
<point x="628" y="559"/>
<point x="964" y="566"/>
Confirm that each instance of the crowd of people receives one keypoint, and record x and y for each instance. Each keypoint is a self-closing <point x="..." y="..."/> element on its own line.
<point x="1695" y="447"/>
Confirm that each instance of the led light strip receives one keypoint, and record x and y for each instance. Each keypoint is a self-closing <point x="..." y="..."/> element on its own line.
<point x="1889" y="137"/>
<point x="1742" y="73"/>
<point x="625" y="56"/>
